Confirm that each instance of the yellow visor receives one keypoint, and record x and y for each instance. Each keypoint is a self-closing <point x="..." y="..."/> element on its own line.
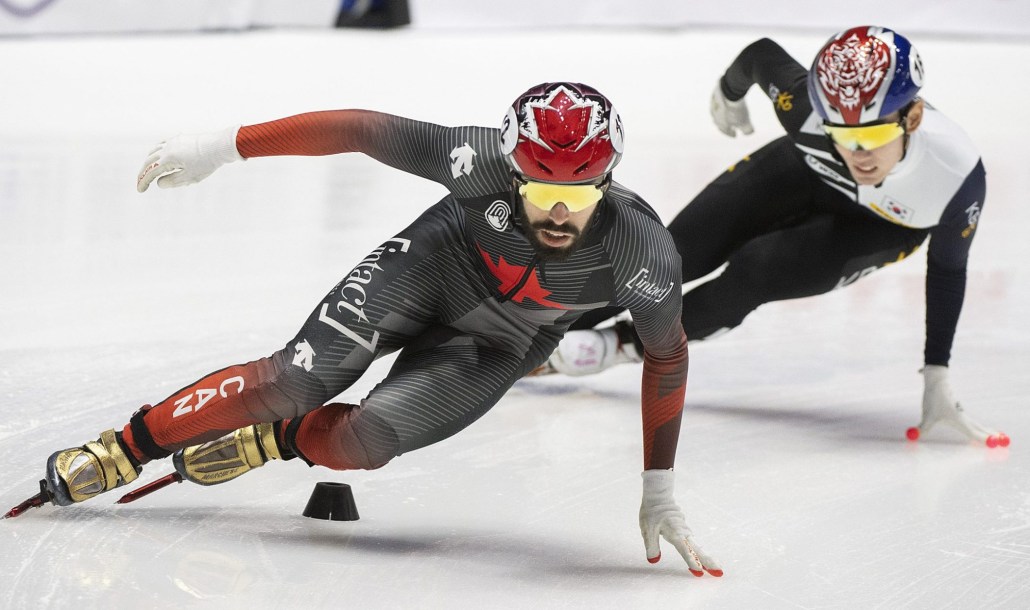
<point x="576" y="197"/>
<point x="865" y="137"/>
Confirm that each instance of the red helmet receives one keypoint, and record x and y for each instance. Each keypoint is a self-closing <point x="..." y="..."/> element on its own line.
<point x="562" y="132"/>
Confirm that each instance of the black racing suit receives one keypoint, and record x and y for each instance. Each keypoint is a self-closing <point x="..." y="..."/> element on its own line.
<point x="460" y="292"/>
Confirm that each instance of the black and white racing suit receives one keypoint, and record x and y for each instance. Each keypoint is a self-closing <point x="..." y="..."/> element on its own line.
<point x="791" y="222"/>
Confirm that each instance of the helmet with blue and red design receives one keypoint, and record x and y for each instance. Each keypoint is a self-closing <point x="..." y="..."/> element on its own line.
<point x="864" y="74"/>
<point x="564" y="133"/>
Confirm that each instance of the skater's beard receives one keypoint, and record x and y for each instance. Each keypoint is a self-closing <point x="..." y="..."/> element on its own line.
<point x="558" y="254"/>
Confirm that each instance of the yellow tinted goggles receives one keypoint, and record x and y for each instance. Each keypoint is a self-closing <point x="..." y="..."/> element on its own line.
<point x="576" y="197"/>
<point x="865" y="137"/>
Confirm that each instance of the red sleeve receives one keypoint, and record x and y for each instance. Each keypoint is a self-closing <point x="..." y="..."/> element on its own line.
<point x="327" y="132"/>
<point x="664" y="388"/>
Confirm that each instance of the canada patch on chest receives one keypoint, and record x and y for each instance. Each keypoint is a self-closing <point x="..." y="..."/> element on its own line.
<point x="520" y="283"/>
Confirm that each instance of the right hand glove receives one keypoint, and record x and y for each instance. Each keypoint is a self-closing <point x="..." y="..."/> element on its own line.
<point x="940" y="406"/>
<point x="186" y="159"/>
<point x="730" y="116"/>
<point x="585" y="352"/>
<point x="659" y="514"/>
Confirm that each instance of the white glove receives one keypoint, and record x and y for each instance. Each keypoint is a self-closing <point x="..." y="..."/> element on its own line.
<point x="730" y="116"/>
<point x="939" y="405"/>
<point x="585" y="352"/>
<point x="186" y="159"/>
<point x="659" y="514"/>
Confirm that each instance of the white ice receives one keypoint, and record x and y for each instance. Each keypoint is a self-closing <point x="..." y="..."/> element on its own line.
<point x="793" y="469"/>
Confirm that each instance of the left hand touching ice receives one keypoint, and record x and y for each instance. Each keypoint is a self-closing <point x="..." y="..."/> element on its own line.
<point x="940" y="406"/>
<point x="660" y="515"/>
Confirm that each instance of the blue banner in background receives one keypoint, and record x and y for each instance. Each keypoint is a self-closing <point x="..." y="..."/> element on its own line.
<point x="373" y="13"/>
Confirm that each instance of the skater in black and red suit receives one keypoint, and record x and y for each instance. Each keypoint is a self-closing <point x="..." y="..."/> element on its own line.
<point x="474" y="294"/>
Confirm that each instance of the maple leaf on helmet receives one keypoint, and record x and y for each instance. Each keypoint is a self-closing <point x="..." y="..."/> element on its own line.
<point x="562" y="133"/>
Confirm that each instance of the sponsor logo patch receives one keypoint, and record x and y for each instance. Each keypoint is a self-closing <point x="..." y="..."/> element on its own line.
<point x="497" y="215"/>
<point x="783" y="99"/>
<point x="305" y="356"/>
<point x="820" y="168"/>
<point x="973" y="213"/>
<point x="640" y="284"/>
<point x="352" y="296"/>
<point x="461" y="161"/>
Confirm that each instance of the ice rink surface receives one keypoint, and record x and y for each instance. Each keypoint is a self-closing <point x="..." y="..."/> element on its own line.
<point x="793" y="469"/>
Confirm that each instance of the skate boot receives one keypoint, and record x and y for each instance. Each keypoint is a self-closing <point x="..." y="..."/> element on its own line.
<point x="228" y="457"/>
<point x="78" y="474"/>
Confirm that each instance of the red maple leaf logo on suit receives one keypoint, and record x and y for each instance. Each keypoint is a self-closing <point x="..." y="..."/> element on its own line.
<point x="510" y="276"/>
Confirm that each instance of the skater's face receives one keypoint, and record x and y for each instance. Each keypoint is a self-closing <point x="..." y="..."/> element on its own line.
<point x="557" y="216"/>
<point x="872" y="151"/>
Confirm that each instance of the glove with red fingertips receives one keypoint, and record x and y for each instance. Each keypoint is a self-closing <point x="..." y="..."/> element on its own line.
<point x="187" y="159"/>
<point x="940" y="406"/>
<point x="661" y="516"/>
